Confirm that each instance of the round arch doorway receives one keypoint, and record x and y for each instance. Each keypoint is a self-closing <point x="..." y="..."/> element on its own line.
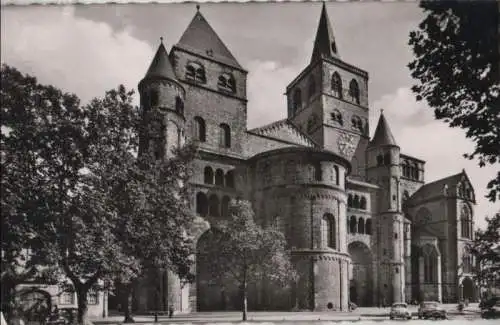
<point x="468" y="289"/>
<point x="361" y="284"/>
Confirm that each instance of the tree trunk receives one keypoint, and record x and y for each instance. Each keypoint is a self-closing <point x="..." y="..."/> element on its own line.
<point x="81" y="293"/>
<point x="244" y="295"/>
<point x="127" y="303"/>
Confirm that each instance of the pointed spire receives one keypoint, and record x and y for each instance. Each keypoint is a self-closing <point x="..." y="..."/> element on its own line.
<point x="160" y="66"/>
<point x="324" y="44"/>
<point x="383" y="135"/>
<point x="200" y="38"/>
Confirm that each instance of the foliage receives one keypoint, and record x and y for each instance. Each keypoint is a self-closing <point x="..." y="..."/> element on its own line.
<point x="76" y="193"/>
<point x="486" y="250"/>
<point x="457" y="57"/>
<point x="244" y="252"/>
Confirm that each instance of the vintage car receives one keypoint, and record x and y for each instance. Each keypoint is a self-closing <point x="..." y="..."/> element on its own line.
<point x="400" y="310"/>
<point x="431" y="309"/>
<point x="491" y="310"/>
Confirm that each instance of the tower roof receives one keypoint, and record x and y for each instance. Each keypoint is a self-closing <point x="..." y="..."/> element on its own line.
<point x="383" y="135"/>
<point x="200" y="38"/>
<point x="160" y="66"/>
<point x="324" y="44"/>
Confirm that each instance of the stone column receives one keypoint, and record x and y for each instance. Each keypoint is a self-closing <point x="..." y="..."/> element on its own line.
<point x="439" y="280"/>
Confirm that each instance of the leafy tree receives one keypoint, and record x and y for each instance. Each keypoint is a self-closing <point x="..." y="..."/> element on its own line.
<point x="154" y="206"/>
<point x="486" y="250"/>
<point x="82" y="177"/>
<point x="244" y="252"/>
<point x="457" y="57"/>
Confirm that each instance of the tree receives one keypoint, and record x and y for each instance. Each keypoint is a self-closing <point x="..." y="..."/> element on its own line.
<point x="457" y="65"/>
<point x="486" y="250"/>
<point x="153" y="203"/>
<point x="82" y="174"/>
<point x="244" y="252"/>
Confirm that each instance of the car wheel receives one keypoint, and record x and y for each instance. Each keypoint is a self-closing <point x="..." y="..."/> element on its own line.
<point x="408" y="317"/>
<point x="391" y="317"/>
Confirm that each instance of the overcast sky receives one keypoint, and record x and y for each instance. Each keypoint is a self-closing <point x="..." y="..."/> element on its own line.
<point x="90" y="49"/>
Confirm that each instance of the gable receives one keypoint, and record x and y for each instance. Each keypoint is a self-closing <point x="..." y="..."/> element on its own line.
<point x="285" y="131"/>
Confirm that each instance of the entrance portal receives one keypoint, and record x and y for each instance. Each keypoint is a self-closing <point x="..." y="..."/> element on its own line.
<point x="468" y="289"/>
<point x="362" y="283"/>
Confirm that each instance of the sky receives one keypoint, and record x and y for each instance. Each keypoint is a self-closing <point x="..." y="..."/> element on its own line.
<point x="88" y="49"/>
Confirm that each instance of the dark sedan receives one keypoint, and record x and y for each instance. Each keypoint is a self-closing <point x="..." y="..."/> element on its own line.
<point x="431" y="309"/>
<point x="491" y="311"/>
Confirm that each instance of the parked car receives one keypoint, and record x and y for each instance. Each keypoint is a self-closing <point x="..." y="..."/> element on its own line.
<point x="431" y="309"/>
<point x="491" y="311"/>
<point x="488" y="302"/>
<point x="400" y="310"/>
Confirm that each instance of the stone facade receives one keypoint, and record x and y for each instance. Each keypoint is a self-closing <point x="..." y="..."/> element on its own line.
<point x="360" y="221"/>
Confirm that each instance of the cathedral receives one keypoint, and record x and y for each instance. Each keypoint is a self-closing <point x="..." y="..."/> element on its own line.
<point x="360" y="221"/>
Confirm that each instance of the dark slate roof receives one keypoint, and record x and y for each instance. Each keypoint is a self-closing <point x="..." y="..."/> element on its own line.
<point x="383" y="135"/>
<point x="324" y="44"/>
<point x="160" y="66"/>
<point x="200" y="38"/>
<point x="438" y="185"/>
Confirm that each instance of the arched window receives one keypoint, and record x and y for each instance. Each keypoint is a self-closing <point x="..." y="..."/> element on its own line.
<point x="466" y="222"/>
<point x="219" y="177"/>
<point x="227" y="83"/>
<point x="179" y="105"/>
<point x="195" y="72"/>
<point x="291" y="171"/>
<point x="368" y="227"/>
<point x="362" y="203"/>
<point x="318" y="173"/>
<point x="387" y="158"/>
<point x="230" y="179"/>
<point x="200" y="132"/>
<point x="201" y="204"/>
<point x="337" y="117"/>
<point x="154" y="97"/>
<point x="337" y="85"/>
<point x="355" y="202"/>
<point x="297" y="100"/>
<point x="361" y="226"/>
<point x="356" y="123"/>
<point x="225" y="135"/>
<point x="312" y="88"/>
<point x="353" y="225"/>
<point x="225" y="206"/>
<point x="406" y="196"/>
<point x="208" y="175"/>
<point x="349" y="201"/>
<point x="336" y="174"/>
<point x="380" y="160"/>
<point x="430" y="260"/>
<point x="354" y="91"/>
<point x="266" y="173"/>
<point x="213" y="206"/>
<point x="415" y="174"/>
<point x="329" y="231"/>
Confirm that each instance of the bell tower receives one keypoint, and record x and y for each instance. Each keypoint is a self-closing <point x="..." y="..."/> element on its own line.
<point x="328" y="100"/>
<point x="162" y="108"/>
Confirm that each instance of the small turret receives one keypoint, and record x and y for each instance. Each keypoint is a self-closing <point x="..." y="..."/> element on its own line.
<point x="383" y="168"/>
<point x="162" y="106"/>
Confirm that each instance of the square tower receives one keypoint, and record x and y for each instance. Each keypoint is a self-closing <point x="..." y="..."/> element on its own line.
<point x="329" y="100"/>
